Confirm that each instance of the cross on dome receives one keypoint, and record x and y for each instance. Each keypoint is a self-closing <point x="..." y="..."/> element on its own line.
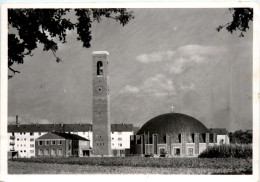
<point x="172" y="107"/>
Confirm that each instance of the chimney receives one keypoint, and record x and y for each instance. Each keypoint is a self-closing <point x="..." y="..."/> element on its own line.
<point x="16" y="119"/>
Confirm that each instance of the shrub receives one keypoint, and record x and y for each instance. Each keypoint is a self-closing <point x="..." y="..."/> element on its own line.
<point x="227" y="151"/>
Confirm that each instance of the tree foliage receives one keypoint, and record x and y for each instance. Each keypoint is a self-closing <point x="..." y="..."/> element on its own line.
<point x="44" y="26"/>
<point x="240" y="21"/>
<point x="241" y="137"/>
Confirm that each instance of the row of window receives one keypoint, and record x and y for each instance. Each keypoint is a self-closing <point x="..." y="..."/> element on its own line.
<point x="48" y="142"/>
<point x="31" y="151"/>
<point x="119" y="133"/>
<point x="119" y="139"/>
<point x="24" y="139"/>
<point x="50" y="152"/>
<point x="31" y="145"/>
<point x="31" y="133"/>
<point x="119" y="145"/>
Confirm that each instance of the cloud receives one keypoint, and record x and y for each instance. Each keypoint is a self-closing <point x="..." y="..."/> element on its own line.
<point x="183" y="58"/>
<point x="155" y="57"/>
<point x="159" y="85"/>
<point x="130" y="89"/>
<point x="187" y="87"/>
<point x="199" y="50"/>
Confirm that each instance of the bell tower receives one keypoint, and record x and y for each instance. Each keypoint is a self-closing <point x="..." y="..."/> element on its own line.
<point x="101" y="105"/>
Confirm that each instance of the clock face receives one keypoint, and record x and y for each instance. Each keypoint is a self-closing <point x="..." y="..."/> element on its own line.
<point x="99" y="90"/>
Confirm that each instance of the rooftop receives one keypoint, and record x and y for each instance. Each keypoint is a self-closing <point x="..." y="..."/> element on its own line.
<point x="64" y="127"/>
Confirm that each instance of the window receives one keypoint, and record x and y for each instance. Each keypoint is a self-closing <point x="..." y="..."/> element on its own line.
<point x="32" y="139"/>
<point x="53" y="142"/>
<point x="120" y="145"/>
<point x="17" y="139"/>
<point x="31" y="145"/>
<point x="24" y="133"/>
<point x="32" y="151"/>
<point x="40" y="152"/>
<point x="99" y="68"/>
<point x="21" y="133"/>
<point x="21" y="151"/>
<point x="112" y="138"/>
<point x="53" y="151"/>
<point x="119" y="139"/>
<point x="113" y="144"/>
<point x="31" y="133"/>
<point x="46" y="152"/>
<point x="24" y="150"/>
<point x="112" y="132"/>
<point x="46" y="142"/>
<point x="59" y="142"/>
<point x="24" y="139"/>
<point x="59" y="151"/>
<point x="25" y="145"/>
<point x="40" y="142"/>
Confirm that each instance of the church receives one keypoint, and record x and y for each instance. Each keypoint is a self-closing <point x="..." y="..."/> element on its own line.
<point x="174" y="134"/>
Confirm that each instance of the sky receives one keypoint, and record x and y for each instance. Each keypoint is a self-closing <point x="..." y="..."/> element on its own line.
<point x="163" y="57"/>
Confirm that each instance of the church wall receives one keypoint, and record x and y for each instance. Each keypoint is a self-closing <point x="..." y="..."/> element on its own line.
<point x="138" y="149"/>
<point x="168" y="143"/>
<point x="190" y="146"/>
<point x="190" y="143"/>
<point x="183" y="142"/>
<point x="196" y="140"/>
<point x="220" y="138"/>
<point x="202" y="147"/>
<point x="207" y="140"/>
<point x="149" y="149"/>
<point x="155" y="143"/>
<point x="175" y="138"/>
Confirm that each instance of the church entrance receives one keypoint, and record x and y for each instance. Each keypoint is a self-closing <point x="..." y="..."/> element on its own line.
<point x="85" y="152"/>
<point x="162" y="151"/>
<point x="177" y="151"/>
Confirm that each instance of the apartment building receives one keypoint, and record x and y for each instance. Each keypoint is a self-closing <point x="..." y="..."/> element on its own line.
<point x="22" y="137"/>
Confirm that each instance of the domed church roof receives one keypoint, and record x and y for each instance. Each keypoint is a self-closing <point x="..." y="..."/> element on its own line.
<point x="173" y="123"/>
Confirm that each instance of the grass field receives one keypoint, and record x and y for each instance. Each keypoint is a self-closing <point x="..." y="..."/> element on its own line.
<point x="129" y="165"/>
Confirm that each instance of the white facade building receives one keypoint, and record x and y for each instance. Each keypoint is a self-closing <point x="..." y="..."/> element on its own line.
<point x="24" y="143"/>
<point x="22" y="137"/>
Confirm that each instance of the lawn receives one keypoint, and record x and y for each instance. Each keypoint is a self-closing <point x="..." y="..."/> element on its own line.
<point x="129" y="165"/>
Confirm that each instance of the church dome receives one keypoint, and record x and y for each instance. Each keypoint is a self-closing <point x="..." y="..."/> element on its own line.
<point x="173" y="123"/>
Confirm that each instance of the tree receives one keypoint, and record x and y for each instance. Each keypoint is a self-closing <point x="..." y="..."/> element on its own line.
<point x="241" y="137"/>
<point x="32" y="26"/>
<point x="241" y="19"/>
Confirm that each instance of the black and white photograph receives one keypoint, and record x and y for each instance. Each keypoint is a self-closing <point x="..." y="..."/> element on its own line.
<point x="121" y="90"/>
